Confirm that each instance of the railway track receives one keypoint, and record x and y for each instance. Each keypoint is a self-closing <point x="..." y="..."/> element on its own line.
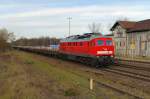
<point x="138" y="65"/>
<point x="134" y="61"/>
<point x="118" y="90"/>
<point x="133" y="75"/>
<point x="134" y="67"/>
<point x="139" y="74"/>
<point x="129" y="74"/>
<point x="124" y="73"/>
<point x="109" y="86"/>
<point x="112" y="87"/>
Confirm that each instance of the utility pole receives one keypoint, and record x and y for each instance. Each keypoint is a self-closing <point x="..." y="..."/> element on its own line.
<point x="69" y="18"/>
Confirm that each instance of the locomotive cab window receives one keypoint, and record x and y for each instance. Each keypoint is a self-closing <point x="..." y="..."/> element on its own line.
<point x="109" y="42"/>
<point x="100" y="42"/>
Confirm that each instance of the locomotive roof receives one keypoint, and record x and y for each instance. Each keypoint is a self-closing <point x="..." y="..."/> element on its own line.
<point x="84" y="37"/>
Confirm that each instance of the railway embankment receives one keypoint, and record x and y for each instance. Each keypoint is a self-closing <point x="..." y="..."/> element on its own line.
<point x="32" y="76"/>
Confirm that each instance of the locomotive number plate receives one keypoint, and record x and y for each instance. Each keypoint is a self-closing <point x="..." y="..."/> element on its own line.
<point x="104" y="52"/>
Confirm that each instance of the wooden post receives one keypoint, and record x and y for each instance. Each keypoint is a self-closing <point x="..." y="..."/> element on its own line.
<point x="91" y="84"/>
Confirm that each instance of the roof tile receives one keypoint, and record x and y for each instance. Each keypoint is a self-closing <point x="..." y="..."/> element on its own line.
<point x="131" y="26"/>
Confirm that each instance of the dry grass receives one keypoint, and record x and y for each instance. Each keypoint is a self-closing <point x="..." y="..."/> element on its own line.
<point x="23" y="77"/>
<point x="29" y="76"/>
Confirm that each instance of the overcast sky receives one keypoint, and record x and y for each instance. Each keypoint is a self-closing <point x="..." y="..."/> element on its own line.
<point x="35" y="18"/>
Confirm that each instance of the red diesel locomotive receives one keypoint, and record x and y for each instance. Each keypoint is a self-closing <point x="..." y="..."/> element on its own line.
<point x="90" y="48"/>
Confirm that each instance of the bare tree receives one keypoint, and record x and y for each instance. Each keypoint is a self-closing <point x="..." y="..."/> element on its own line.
<point x="95" y="27"/>
<point x="41" y="41"/>
<point x="5" y="39"/>
<point x="11" y="37"/>
<point x="109" y="25"/>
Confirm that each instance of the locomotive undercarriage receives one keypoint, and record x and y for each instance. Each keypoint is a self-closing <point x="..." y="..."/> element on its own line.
<point x="100" y="61"/>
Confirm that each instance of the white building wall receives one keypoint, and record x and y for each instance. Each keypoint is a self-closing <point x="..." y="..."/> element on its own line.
<point x="141" y="42"/>
<point x="124" y="43"/>
<point x="120" y="40"/>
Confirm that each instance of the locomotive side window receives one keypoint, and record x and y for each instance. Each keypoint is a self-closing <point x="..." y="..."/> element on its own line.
<point x="74" y="43"/>
<point x="88" y="44"/>
<point x="109" y="42"/>
<point x="100" y="42"/>
<point x="69" y="44"/>
<point x="81" y="44"/>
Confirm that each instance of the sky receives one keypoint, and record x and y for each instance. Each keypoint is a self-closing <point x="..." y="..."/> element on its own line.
<point x="36" y="18"/>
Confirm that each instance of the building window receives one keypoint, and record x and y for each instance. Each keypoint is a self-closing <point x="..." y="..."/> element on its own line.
<point x="144" y="45"/>
<point x="120" y="44"/>
<point x="123" y="44"/>
<point x="148" y="37"/>
<point x="120" y="34"/>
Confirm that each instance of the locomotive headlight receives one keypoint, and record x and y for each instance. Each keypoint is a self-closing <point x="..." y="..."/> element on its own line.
<point x="112" y="56"/>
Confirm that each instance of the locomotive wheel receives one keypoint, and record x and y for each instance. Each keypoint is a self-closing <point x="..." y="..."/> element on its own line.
<point x="95" y="63"/>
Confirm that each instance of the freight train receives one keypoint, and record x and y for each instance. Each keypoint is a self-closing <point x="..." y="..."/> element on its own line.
<point x="90" y="48"/>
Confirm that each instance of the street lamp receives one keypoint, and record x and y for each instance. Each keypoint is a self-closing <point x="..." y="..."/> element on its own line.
<point x="69" y="18"/>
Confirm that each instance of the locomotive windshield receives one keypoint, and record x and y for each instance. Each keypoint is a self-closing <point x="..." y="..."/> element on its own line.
<point x="109" y="42"/>
<point x="103" y="42"/>
<point x="100" y="42"/>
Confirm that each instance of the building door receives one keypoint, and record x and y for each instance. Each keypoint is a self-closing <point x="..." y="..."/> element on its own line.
<point x="143" y="48"/>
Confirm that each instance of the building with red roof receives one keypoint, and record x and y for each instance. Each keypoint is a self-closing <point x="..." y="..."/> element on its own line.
<point x="132" y="38"/>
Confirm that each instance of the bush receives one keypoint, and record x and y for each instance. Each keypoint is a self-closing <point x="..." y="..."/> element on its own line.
<point x="71" y="92"/>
